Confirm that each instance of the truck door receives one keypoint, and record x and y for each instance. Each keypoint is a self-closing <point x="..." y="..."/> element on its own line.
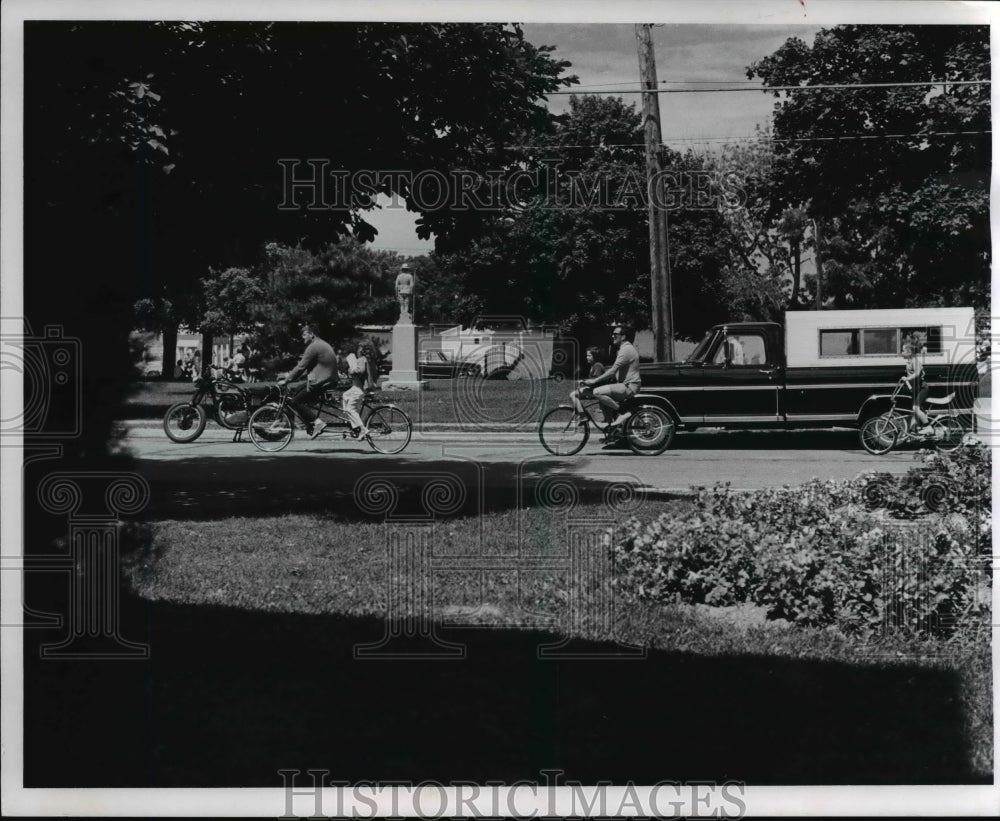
<point x="741" y="379"/>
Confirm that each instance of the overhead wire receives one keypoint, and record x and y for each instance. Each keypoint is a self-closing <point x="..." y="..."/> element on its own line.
<point x="706" y="140"/>
<point x="765" y="89"/>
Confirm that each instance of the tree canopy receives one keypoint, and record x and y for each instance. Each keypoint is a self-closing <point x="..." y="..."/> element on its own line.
<point x="897" y="174"/>
<point x="574" y="250"/>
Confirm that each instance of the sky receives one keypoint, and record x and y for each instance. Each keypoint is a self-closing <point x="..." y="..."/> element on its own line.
<point x="605" y="60"/>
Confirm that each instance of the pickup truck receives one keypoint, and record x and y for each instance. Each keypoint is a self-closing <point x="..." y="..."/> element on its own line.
<point x="822" y="369"/>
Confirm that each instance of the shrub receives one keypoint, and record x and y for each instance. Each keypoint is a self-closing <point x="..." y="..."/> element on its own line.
<point x="820" y="555"/>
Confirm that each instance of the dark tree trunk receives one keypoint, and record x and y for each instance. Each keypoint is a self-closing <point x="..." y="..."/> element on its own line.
<point x="169" y="353"/>
<point x="206" y="352"/>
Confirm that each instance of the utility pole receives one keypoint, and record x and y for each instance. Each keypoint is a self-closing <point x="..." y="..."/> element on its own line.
<point x="819" y="267"/>
<point x="659" y="247"/>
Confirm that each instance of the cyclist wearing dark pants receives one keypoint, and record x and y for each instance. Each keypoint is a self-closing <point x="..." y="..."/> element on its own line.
<point x="620" y="381"/>
<point x="319" y="363"/>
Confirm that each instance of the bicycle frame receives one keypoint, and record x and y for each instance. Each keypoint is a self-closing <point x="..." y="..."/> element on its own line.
<point x="325" y="405"/>
<point x="590" y="401"/>
<point x="905" y="419"/>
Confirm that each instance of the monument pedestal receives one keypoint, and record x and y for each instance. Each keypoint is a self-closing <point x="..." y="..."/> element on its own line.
<point x="403" y="375"/>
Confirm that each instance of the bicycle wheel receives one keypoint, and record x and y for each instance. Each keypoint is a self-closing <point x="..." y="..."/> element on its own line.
<point x="878" y="435"/>
<point x="184" y="422"/>
<point x="388" y="429"/>
<point x="951" y="433"/>
<point x="649" y="431"/>
<point x="270" y="428"/>
<point x="562" y="433"/>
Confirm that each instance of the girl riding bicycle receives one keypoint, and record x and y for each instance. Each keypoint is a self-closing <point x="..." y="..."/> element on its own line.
<point x="596" y="369"/>
<point x="914" y="379"/>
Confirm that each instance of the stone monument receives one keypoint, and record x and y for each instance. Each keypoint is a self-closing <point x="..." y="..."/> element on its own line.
<point x="404" y="374"/>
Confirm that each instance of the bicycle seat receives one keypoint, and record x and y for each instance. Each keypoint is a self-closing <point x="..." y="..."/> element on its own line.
<point x="943" y="401"/>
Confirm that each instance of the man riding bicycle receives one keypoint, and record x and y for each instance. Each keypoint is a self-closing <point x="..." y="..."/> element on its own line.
<point x="619" y="382"/>
<point x="320" y="360"/>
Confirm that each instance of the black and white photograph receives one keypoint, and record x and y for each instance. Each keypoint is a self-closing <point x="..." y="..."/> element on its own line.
<point x="487" y="410"/>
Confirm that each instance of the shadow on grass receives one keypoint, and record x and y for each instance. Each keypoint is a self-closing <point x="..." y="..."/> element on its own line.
<point x="229" y="697"/>
<point x="267" y="485"/>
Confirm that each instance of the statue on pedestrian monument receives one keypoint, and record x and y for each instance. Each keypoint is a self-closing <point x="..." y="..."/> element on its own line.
<point x="404" y="293"/>
<point x="405" y="374"/>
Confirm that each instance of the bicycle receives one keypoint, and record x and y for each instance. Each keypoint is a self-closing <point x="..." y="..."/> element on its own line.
<point x="272" y="425"/>
<point x="564" y="431"/>
<point x="896" y="426"/>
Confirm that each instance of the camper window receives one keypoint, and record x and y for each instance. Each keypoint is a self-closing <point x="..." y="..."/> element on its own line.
<point x="875" y="341"/>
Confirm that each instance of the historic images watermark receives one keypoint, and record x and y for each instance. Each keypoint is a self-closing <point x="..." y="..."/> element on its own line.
<point x="314" y="185"/>
<point x="312" y="793"/>
<point x="433" y="583"/>
<point x="49" y="366"/>
<point x="92" y="501"/>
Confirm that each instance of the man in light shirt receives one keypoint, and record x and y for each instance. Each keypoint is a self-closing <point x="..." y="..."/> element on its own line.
<point x="319" y="362"/>
<point x="620" y="381"/>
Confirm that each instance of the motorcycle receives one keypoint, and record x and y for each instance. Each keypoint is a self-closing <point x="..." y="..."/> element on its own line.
<point x="228" y="404"/>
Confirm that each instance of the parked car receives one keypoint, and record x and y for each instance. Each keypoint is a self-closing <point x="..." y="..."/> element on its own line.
<point x="438" y="365"/>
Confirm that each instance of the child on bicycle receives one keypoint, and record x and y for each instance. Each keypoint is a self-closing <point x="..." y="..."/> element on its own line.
<point x="914" y="379"/>
<point x="596" y="369"/>
<point x="362" y="376"/>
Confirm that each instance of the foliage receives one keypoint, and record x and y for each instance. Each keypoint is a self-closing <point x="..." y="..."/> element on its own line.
<point x="905" y="218"/>
<point x="574" y="250"/>
<point x="757" y="275"/>
<point x="336" y="286"/>
<point x="444" y="293"/>
<point x="231" y="299"/>
<point x="818" y="555"/>
<point x="950" y="483"/>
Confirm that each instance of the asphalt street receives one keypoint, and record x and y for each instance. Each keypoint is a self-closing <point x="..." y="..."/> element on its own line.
<point x="217" y="476"/>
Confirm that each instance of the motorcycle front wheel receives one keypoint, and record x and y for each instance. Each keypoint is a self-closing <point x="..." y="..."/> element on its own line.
<point x="184" y="422"/>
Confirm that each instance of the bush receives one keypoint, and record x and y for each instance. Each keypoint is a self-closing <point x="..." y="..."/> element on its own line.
<point x="947" y="483"/>
<point x="820" y="555"/>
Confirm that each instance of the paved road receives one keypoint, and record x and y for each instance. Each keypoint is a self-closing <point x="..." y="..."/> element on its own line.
<point x="217" y="474"/>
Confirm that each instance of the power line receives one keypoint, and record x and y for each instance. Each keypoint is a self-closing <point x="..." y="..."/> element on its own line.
<point x="845" y="137"/>
<point x="762" y="88"/>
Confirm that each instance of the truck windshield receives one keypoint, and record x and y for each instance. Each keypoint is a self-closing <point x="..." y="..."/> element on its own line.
<point x="701" y="350"/>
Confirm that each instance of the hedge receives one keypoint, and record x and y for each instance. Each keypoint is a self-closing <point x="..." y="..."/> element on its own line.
<point x="870" y="554"/>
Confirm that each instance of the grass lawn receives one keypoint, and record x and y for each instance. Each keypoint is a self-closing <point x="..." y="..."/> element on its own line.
<point x="477" y="403"/>
<point x="315" y="565"/>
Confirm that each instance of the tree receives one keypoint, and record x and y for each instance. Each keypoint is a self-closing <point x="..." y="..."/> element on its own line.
<point x="151" y="150"/>
<point x="335" y="287"/>
<point x="757" y="278"/>
<point x="905" y="212"/>
<point x="573" y="251"/>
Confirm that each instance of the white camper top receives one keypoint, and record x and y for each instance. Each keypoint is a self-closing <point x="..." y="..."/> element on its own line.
<point x="817" y="339"/>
